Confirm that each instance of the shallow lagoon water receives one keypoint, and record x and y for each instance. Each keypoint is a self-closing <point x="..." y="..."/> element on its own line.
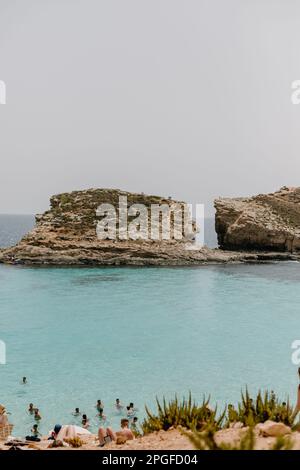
<point x="82" y="334"/>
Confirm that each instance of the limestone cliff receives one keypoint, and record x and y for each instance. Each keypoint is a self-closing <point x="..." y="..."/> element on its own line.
<point x="263" y="222"/>
<point x="66" y="234"/>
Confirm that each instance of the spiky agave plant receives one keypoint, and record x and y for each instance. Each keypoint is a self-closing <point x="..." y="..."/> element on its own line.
<point x="266" y="406"/>
<point x="185" y="413"/>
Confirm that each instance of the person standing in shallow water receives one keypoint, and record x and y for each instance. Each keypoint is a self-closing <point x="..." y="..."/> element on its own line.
<point x="31" y="408"/>
<point x="130" y="412"/>
<point x="99" y="405"/>
<point x="101" y="416"/>
<point x="85" y="421"/>
<point x="119" y="406"/>
<point x="37" y="415"/>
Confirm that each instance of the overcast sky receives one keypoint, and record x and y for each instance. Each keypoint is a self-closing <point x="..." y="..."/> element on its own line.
<point x="189" y="98"/>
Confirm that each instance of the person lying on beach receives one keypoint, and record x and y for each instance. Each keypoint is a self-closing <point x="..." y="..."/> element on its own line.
<point x="107" y="435"/>
<point x="37" y="415"/>
<point x="85" y="421"/>
<point x="31" y="408"/>
<point x="76" y="412"/>
<point x="118" y="405"/>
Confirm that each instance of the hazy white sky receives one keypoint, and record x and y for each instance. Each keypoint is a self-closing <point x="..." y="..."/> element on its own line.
<point x="189" y="98"/>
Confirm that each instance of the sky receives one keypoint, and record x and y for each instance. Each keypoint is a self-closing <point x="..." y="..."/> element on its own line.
<point x="182" y="98"/>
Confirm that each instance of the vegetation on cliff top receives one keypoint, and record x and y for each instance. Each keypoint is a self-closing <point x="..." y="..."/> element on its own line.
<point x="198" y="417"/>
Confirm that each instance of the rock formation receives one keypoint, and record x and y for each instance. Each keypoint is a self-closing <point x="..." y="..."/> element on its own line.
<point x="269" y="222"/>
<point x="67" y="233"/>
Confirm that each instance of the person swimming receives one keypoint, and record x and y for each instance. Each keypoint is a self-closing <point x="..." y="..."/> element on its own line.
<point x="130" y="412"/>
<point x="76" y="412"/>
<point x="24" y="380"/>
<point x="99" y="405"/>
<point x="37" y="415"/>
<point x="131" y="405"/>
<point x="31" y="408"/>
<point x="118" y="405"/>
<point x="101" y="416"/>
<point x="85" y="421"/>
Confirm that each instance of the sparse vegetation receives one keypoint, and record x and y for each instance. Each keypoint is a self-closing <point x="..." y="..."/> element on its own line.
<point x="200" y="422"/>
<point x="283" y="443"/>
<point x="185" y="413"/>
<point x="207" y="441"/>
<point x="266" y="406"/>
<point x="74" y="442"/>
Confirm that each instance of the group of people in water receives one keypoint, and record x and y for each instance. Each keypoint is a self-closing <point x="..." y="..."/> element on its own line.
<point x="129" y="423"/>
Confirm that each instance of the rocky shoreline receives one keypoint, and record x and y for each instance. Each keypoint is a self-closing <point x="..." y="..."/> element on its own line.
<point x="264" y="228"/>
<point x="266" y="437"/>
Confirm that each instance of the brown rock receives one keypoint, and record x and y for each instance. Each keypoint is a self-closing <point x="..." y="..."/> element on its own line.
<point x="269" y="222"/>
<point x="66" y="235"/>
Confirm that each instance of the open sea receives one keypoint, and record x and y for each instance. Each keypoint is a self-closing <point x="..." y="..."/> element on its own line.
<point x="82" y="334"/>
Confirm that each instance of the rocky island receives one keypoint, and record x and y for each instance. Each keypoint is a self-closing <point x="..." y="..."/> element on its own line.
<point x="268" y="222"/>
<point x="260" y="228"/>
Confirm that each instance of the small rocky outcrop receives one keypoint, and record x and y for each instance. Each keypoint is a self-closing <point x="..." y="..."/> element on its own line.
<point x="269" y="222"/>
<point x="66" y="234"/>
<point x="273" y="429"/>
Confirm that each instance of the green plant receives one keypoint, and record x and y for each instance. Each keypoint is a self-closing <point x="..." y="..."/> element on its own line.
<point x="206" y="440"/>
<point x="185" y="413"/>
<point x="282" y="443"/>
<point x="265" y="406"/>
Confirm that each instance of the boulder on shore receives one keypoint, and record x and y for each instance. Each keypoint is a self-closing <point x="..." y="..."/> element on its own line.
<point x="272" y="429"/>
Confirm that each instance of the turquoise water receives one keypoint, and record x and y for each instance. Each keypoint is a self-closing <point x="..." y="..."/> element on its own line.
<point x="133" y="333"/>
<point x="13" y="227"/>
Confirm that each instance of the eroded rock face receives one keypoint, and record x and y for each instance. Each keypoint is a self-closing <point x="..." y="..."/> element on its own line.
<point x="66" y="235"/>
<point x="269" y="222"/>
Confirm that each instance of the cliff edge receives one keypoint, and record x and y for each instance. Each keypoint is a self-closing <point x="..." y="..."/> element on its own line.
<point x="269" y="222"/>
<point x="68" y="233"/>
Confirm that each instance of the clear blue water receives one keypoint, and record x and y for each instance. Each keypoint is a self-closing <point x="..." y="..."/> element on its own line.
<point x="82" y="334"/>
<point x="13" y="227"/>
